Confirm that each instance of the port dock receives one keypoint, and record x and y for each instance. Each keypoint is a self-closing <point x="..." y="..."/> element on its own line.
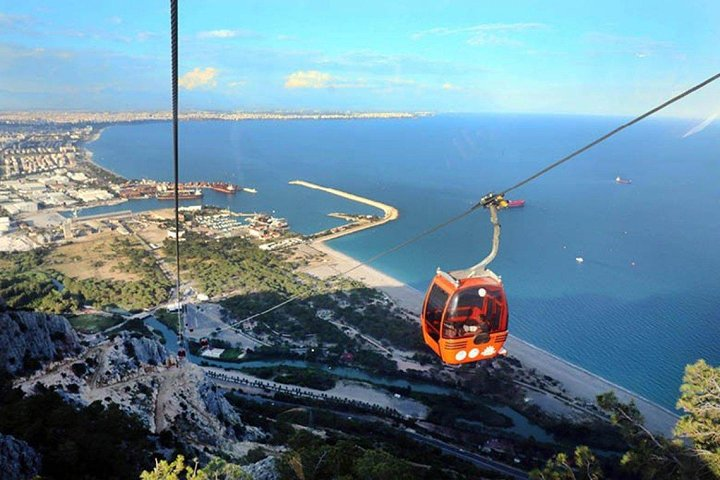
<point x="390" y="213"/>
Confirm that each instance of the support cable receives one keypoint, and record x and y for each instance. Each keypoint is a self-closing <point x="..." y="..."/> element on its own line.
<point x="176" y="162"/>
<point x="496" y="199"/>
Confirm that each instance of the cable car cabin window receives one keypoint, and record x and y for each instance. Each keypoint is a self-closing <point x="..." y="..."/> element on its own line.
<point x="473" y="311"/>
<point x="434" y="310"/>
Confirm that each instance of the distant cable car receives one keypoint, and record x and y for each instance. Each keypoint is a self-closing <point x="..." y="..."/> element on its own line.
<point x="465" y="314"/>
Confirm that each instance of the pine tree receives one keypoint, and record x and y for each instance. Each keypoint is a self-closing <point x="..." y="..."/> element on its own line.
<point x="700" y="399"/>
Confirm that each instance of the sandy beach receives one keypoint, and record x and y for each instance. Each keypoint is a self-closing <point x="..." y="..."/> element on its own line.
<point x="89" y="158"/>
<point x="577" y="381"/>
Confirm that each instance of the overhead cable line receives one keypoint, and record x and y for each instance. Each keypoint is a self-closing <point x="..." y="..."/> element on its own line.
<point x="492" y="197"/>
<point x="355" y="267"/>
<point x="607" y="135"/>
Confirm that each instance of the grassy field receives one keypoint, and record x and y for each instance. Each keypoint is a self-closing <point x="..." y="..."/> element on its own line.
<point x="97" y="257"/>
<point x="231" y="354"/>
<point x="107" y="270"/>
<point x="93" y="323"/>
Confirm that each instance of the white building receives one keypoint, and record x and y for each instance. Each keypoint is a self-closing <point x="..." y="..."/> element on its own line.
<point x="5" y="225"/>
<point x="19" y="207"/>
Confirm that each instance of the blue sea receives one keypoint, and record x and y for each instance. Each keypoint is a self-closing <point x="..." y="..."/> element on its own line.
<point x="637" y="326"/>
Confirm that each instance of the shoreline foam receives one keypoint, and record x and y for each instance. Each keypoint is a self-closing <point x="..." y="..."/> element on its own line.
<point x="577" y="381"/>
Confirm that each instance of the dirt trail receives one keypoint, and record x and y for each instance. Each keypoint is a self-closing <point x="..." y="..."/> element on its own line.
<point x="169" y="382"/>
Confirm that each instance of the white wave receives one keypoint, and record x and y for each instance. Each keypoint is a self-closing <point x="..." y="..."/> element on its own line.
<point x="701" y="126"/>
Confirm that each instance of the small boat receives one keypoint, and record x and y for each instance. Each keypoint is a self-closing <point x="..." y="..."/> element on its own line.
<point x="515" y="203"/>
<point x="623" y="181"/>
<point x="579" y="259"/>
<point x="249" y="190"/>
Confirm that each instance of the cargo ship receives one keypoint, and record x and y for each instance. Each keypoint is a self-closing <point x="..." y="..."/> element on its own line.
<point x="516" y="203"/>
<point x="223" y="187"/>
<point x="138" y="191"/>
<point x="182" y="195"/>
<point x="623" y="181"/>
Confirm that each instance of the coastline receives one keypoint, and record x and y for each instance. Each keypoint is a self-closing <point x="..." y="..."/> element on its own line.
<point x="89" y="157"/>
<point x="577" y="381"/>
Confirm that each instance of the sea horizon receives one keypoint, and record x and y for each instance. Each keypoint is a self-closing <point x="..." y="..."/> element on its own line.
<point x="437" y="166"/>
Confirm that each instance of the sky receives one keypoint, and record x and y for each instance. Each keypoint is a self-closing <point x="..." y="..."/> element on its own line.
<point x="610" y="57"/>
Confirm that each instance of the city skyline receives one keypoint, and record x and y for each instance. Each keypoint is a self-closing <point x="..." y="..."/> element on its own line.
<point x="616" y="59"/>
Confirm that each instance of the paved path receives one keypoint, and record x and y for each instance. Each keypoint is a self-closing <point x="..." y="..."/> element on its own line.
<point x="474" y="458"/>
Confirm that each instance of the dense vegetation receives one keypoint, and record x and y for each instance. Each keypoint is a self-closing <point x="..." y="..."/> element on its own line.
<point x="311" y="458"/>
<point x="693" y="454"/>
<point x="376" y="319"/>
<point x="353" y="448"/>
<point x="28" y="281"/>
<point x="93" y="442"/>
<point x="216" y="469"/>
<point x="235" y="265"/>
<point x="259" y="279"/>
<point x="448" y="410"/>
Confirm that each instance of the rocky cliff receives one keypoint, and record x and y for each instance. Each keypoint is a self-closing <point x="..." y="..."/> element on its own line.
<point x="265" y="469"/>
<point x="18" y="460"/>
<point x="30" y="339"/>
<point x="140" y="376"/>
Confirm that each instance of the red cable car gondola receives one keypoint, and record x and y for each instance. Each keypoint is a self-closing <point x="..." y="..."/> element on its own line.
<point x="465" y="313"/>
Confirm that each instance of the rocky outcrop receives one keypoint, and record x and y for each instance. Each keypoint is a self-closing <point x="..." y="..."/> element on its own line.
<point x="265" y="469"/>
<point x="137" y="374"/>
<point x="146" y="350"/>
<point x="128" y="356"/>
<point x="18" y="460"/>
<point x="216" y="403"/>
<point x="29" y="339"/>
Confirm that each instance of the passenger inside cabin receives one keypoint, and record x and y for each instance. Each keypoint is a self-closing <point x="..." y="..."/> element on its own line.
<point x="469" y="326"/>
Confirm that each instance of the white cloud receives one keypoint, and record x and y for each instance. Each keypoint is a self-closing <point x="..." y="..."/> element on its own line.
<point x="484" y="33"/>
<point x="237" y="83"/>
<point x="372" y="61"/>
<point x="317" y="79"/>
<point x="115" y="20"/>
<point x="14" y="21"/>
<point x="638" y="46"/>
<point x="199" y="78"/>
<point x="701" y="126"/>
<point x="449" y="86"/>
<point x="308" y="79"/>
<point x="144" y="36"/>
<point x="223" y="33"/>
